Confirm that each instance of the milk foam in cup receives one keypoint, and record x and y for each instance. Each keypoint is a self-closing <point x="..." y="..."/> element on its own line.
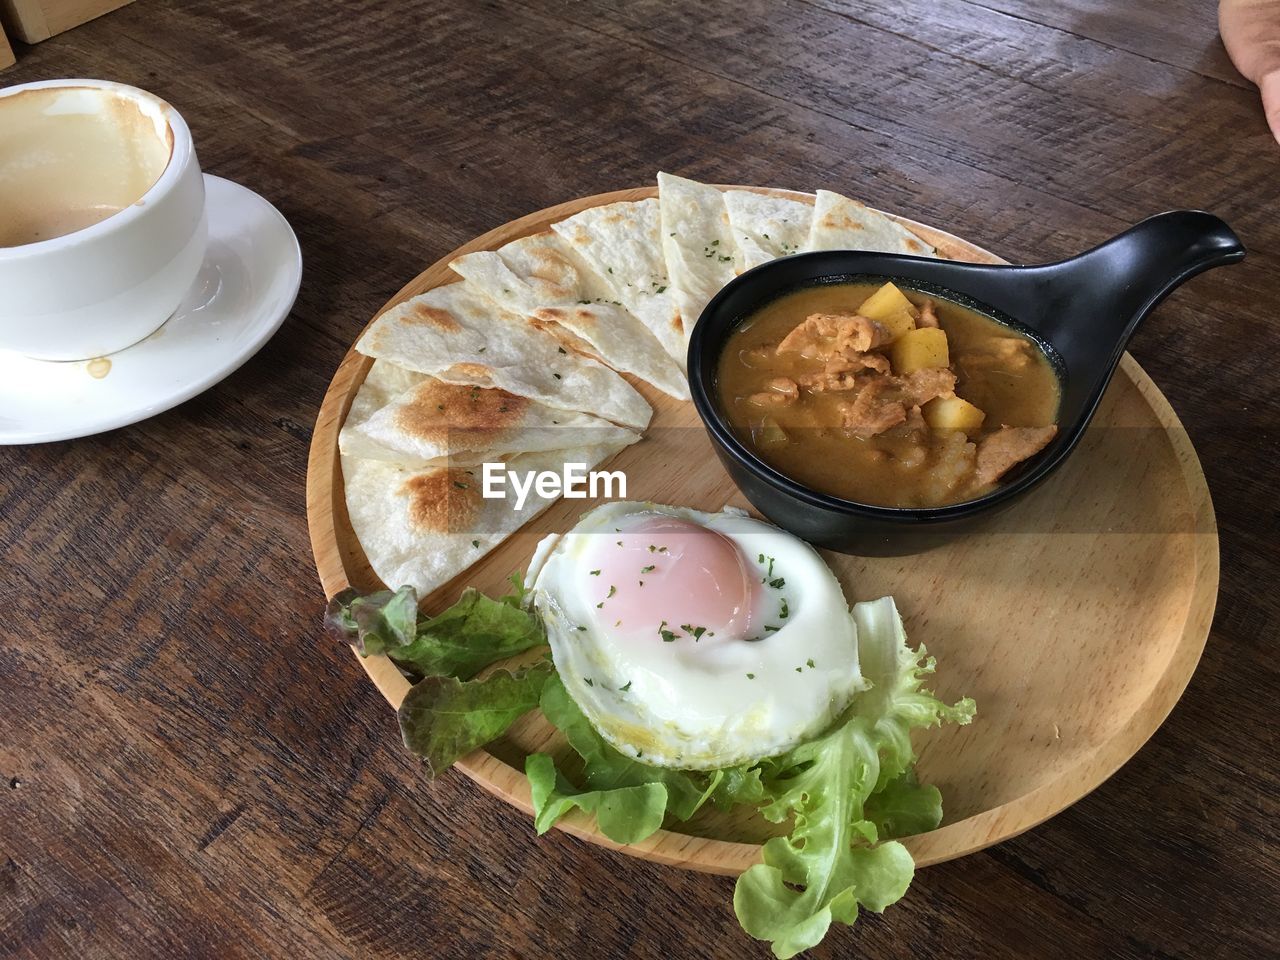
<point x="102" y="217"/>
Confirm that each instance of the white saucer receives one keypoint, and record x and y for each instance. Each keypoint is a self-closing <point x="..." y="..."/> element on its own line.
<point x="245" y="289"/>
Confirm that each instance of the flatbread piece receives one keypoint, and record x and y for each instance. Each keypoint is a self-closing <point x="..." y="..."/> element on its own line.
<point x="433" y="423"/>
<point x="767" y="227"/>
<point x="843" y="224"/>
<point x="544" y="280"/>
<point x="622" y="243"/>
<point x="424" y="527"/>
<point x="701" y="253"/>
<point x="458" y="335"/>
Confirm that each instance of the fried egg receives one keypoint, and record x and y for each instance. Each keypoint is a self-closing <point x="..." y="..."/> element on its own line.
<point x="695" y="640"/>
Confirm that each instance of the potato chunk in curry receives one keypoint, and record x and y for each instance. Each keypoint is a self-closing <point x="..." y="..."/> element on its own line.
<point x="890" y="307"/>
<point x="919" y="350"/>
<point x="952" y="413"/>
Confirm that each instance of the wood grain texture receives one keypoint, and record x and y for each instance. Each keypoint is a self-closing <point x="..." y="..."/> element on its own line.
<point x="1038" y="745"/>
<point x="188" y="770"/>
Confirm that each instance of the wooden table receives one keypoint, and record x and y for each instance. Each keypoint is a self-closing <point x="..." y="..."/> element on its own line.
<point x="190" y="769"/>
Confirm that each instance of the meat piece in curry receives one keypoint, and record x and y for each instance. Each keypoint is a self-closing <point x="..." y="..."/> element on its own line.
<point x="1007" y="447"/>
<point x="885" y="396"/>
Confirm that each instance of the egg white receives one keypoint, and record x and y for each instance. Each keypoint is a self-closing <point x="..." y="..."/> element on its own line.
<point x="716" y="702"/>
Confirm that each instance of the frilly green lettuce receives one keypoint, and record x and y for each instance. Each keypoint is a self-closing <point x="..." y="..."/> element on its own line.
<point x="614" y="782"/>
<point x="624" y="814"/>
<point x="444" y="718"/>
<point x="847" y="791"/>
<point x="447" y="713"/>
<point x="458" y="642"/>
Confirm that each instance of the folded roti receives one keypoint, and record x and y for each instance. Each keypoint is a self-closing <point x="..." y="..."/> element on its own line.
<point x="458" y="335"/>
<point x="424" y="527"/>
<point x="767" y="227"/>
<point x="433" y="423"/>
<point x="622" y="244"/>
<point x="383" y="383"/>
<point x="543" y="279"/>
<point x="702" y="255"/>
<point x="843" y="224"/>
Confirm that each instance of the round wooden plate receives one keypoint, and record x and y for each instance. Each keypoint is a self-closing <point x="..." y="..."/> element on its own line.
<point x="1075" y="620"/>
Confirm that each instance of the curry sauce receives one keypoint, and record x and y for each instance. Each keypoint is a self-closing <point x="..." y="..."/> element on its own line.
<point x="927" y="404"/>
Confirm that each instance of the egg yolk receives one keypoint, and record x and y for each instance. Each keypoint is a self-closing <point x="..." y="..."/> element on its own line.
<point x="660" y="578"/>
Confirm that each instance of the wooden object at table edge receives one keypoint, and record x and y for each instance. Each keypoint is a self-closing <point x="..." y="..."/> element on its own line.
<point x="7" y="59"/>
<point x="726" y="857"/>
<point x="34" y="20"/>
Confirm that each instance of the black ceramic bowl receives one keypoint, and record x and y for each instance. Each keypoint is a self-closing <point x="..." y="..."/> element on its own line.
<point x="1082" y="310"/>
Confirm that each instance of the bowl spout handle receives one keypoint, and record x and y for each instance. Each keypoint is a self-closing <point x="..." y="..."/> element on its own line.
<point x="1090" y="305"/>
<point x="1131" y="273"/>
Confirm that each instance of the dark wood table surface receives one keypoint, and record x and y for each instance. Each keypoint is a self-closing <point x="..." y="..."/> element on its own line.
<point x="190" y="769"/>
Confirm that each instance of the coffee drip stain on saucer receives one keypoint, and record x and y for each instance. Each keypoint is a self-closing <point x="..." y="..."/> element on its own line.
<point x="98" y="367"/>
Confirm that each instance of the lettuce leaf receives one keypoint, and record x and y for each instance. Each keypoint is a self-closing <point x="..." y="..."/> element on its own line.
<point x="849" y="793"/>
<point x="624" y="814"/>
<point x="447" y="713"/>
<point x="375" y="623"/>
<point x="835" y="859"/>
<point x="460" y="642"/>
<point x="605" y="768"/>
<point x="904" y="807"/>
<point x="443" y="718"/>
<point x="607" y="773"/>
<point x="738" y="786"/>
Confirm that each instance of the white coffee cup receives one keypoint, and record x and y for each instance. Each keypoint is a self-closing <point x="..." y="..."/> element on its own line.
<point x="102" y="217"/>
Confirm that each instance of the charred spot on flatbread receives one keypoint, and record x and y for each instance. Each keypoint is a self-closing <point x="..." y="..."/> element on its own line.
<point x="836" y="221"/>
<point x="468" y="371"/>
<point x="420" y="313"/>
<point x="436" y="408"/>
<point x="556" y="323"/>
<point x="444" y="501"/>
<point x="553" y="273"/>
<point x="565" y="325"/>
